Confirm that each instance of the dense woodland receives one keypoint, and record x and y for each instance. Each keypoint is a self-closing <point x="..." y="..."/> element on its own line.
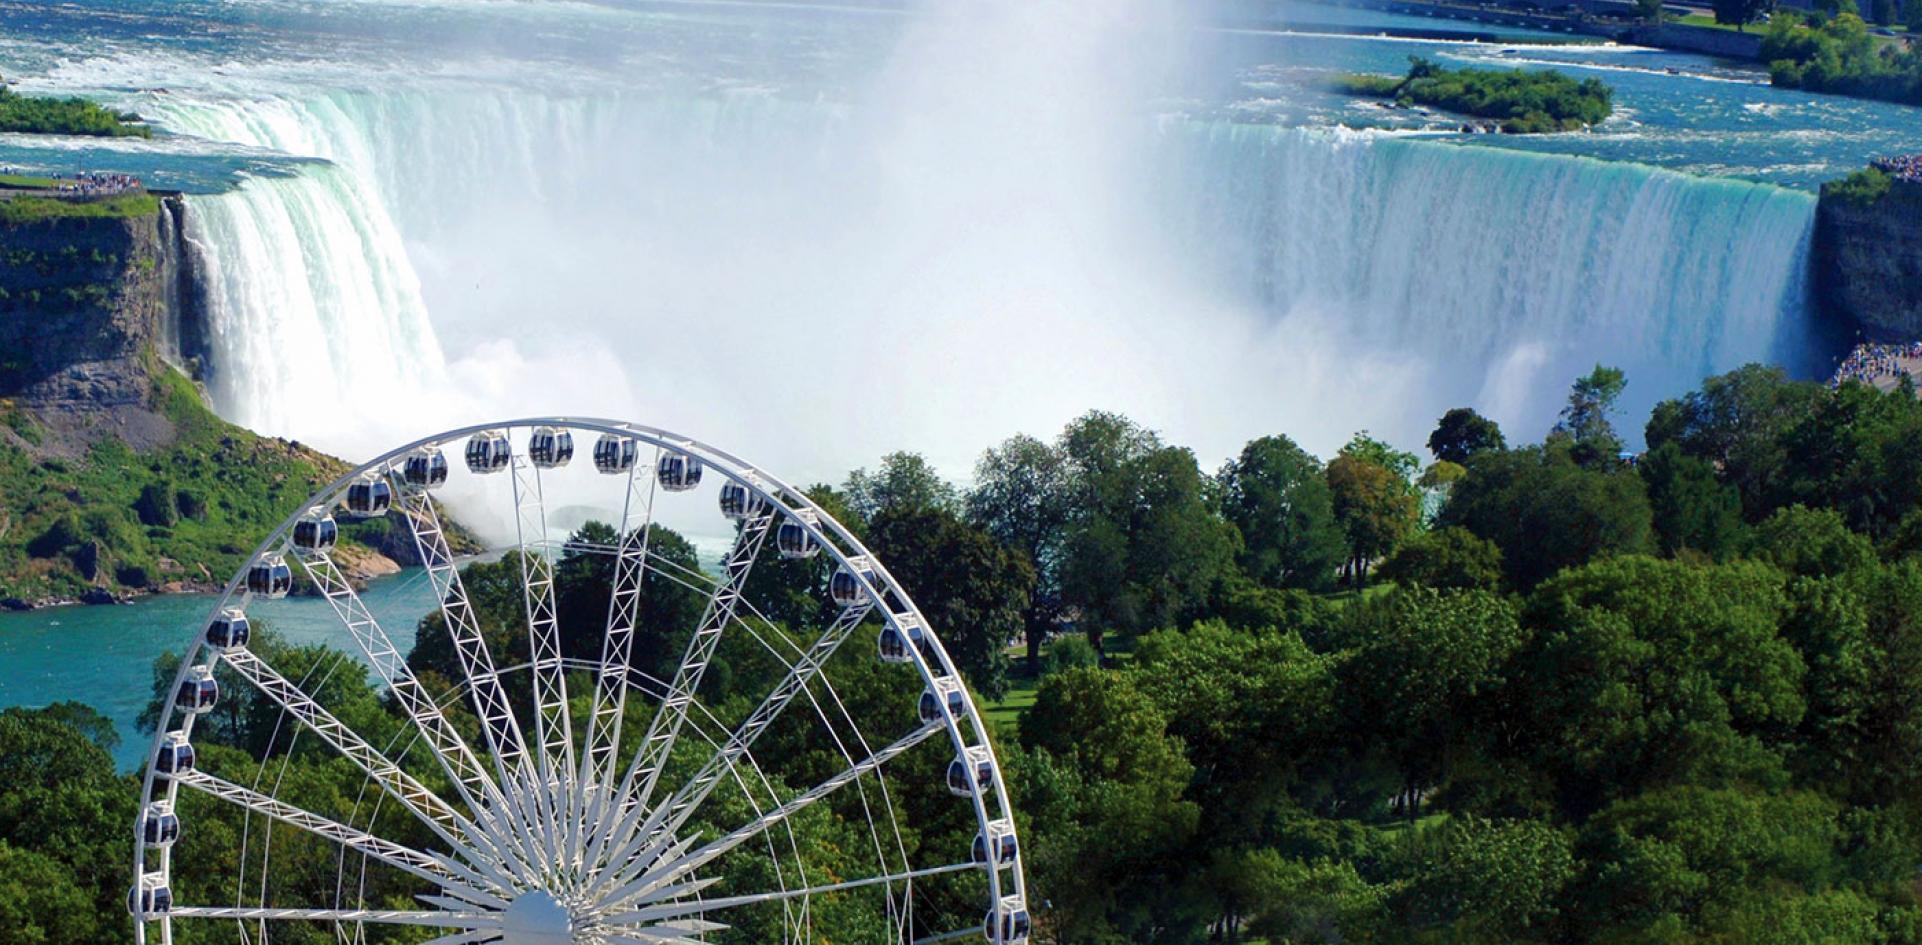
<point x="1836" y="53"/>
<point x="1540" y="693"/>
<point x="43" y="115"/>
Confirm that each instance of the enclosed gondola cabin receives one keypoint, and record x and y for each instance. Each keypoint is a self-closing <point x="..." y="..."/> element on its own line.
<point x="615" y="454"/>
<point x="930" y="708"/>
<point x="198" y="692"/>
<point x="425" y="469"/>
<point x="150" y="897"/>
<point x="270" y="577"/>
<point x="893" y="646"/>
<point x="316" y="532"/>
<point x="794" y="541"/>
<point x="1008" y="924"/>
<point x="678" y="472"/>
<point x="973" y="762"/>
<point x="845" y="585"/>
<point x="739" y="502"/>
<point x="229" y="631"/>
<point x="159" y="826"/>
<point x="369" y="497"/>
<point x="894" y="649"/>
<point x="176" y="755"/>
<point x="488" y="452"/>
<point x="999" y="838"/>
<point x="550" y="448"/>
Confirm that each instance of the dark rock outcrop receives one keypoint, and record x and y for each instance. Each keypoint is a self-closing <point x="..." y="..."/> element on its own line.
<point x="1868" y="261"/>
<point x="90" y="307"/>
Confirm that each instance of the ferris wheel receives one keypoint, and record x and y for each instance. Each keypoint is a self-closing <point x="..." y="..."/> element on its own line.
<point x="513" y="804"/>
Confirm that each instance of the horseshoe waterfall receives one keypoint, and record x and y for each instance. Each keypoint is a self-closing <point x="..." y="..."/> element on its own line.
<point x="1281" y="261"/>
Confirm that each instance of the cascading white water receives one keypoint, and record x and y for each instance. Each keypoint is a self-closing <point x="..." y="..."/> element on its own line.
<point x="1498" y="275"/>
<point x="315" y="316"/>
<point x="956" y="255"/>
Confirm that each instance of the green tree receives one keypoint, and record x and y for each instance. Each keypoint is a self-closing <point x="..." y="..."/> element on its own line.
<point x="1376" y="507"/>
<point x="1420" y="661"/>
<point x="1642" y="672"/>
<point x="1482" y="880"/>
<point x="1463" y="433"/>
<point x="1151" y="548"/>
<point x="1859" y="452"/>
<point x="1289" y="901"/>
<point x="1022" y="496"/>
<point x="1109" y="818"/>
<point x="904" y="482"/>
<point x="972" y="590"/>
<point x="61" y="802"/>
<point x="1547" y="513"/>
<point x="1809" y="542"/>
<point x="1447" y="559"/>
<point x="1691" y="508"/>
<point x="40" y="904"/>
<point x="1274" y="494"/>
<point x="1585" y="419"/>
<point x="1736" y="423"/>
<point x="1668" y="861"/>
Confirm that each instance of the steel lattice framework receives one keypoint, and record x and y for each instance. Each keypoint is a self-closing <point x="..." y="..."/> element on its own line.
<point x="546" y="828"/>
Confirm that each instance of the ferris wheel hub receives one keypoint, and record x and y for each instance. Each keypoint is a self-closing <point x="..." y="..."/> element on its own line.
<point x="535" y="917"/>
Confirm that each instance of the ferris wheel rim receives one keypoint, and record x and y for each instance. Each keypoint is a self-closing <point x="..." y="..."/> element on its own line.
<point x="782" y="503"/>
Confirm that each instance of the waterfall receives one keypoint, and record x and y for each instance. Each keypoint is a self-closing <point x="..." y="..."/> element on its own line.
<point x="1218" y="281"/>
<point x="1499" y="275"/>
<point x="315" y="317"/>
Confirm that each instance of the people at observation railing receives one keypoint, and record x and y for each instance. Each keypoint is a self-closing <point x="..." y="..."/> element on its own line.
<point x="1871" y="362"/>
<point x="92" y="184"/>
<point x="1906" y="167"/>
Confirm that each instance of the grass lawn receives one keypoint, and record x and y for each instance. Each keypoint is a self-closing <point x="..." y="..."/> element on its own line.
<point x="1708" y="20"/>
<point x="1005" y="713"/>
<point x="26" y="209"/>
<point x="23" y="182"/>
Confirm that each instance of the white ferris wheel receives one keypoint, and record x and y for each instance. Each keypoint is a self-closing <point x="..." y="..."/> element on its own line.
<point x="511" y="806"/>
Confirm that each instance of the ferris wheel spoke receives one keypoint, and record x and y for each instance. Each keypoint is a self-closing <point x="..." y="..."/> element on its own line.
<point x="426" y="806"/>
<point x="446" y="920"/>
<point x="688" y="799"/>
<point x="671" y="910"/>
<point x="617" y="651"/>
<point x="672" y="868"/>
<point x="638" y="783"/>
<point x="498" y="725"/>
<point x="553" y="730"/>
<point x="457" y="880"/>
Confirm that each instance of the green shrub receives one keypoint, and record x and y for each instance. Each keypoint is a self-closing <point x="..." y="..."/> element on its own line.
<point x="1862" y="188"/>
<point x="1072" y="652"/>
<point x="156" y="505"/>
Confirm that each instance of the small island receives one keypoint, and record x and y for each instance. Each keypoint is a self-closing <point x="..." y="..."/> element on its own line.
<point x="32" y="114"/>
<point x="1519" y="101"/>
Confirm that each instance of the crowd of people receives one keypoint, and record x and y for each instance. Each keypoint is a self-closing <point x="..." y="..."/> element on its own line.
<point x="84" y="183"/>
<point x="1871" y="362"/>
<point x="91" y="184"/>
<point x="1906" y="167"/>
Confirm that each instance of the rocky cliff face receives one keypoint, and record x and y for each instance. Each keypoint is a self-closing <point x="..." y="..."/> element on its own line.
<point x="90" y="308"/>
<point x="1868" y="261"/>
